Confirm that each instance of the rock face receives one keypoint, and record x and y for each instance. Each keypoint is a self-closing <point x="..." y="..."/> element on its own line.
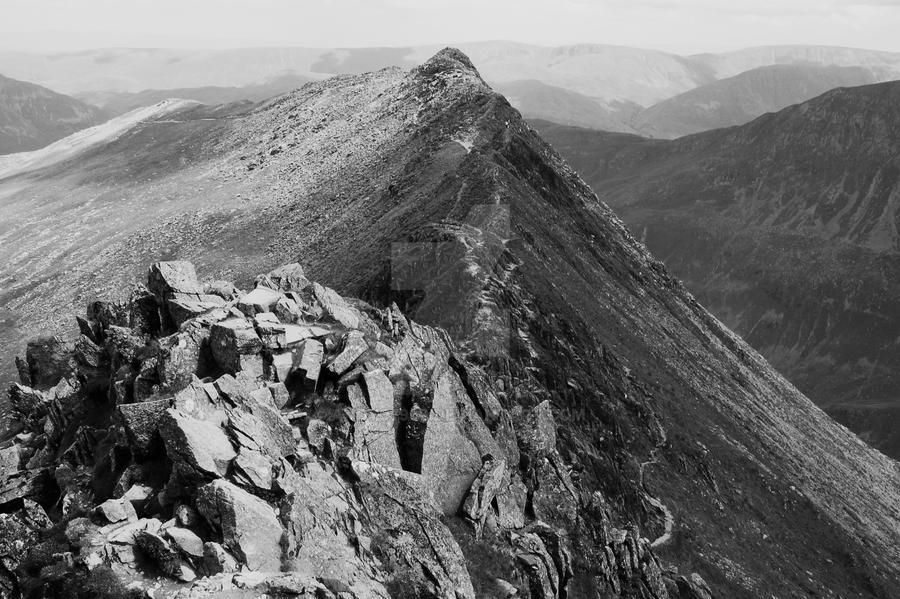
<point x="677" y="449"/>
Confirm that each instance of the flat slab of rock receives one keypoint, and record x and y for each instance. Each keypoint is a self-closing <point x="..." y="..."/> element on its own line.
<point x="261" y="299"/>
<point x="249" y="525"/>
<point x="198" y="444"/>
<point x="336" y="307"/>
<point x="354" y="346"/>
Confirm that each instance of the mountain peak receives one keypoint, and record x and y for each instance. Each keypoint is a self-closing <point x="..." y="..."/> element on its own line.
<point x="448" y="60"/>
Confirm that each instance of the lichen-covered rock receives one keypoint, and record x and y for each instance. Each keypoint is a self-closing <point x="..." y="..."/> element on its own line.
<point x="165" y="278"/>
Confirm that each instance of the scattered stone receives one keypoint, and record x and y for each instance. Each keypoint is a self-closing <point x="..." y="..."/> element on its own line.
<point x="289" y="277"/>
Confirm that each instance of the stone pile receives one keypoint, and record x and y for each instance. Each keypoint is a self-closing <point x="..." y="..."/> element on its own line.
<point x="199" y="441"/>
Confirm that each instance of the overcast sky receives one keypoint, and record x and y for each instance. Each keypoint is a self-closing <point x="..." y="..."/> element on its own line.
<point x="682" y="26"/>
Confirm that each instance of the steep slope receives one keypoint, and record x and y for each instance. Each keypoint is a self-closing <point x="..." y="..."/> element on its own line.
<point x="787" y="229"/>
<point x="120" y="103"/>
<point x="740" y="99"/>
<point x="32" y="116"/>
<point x="536" y="100"/>
<point x="428" y="189"/>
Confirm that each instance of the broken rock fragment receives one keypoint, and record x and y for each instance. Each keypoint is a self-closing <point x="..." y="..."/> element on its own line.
<point x="199" y="444"/>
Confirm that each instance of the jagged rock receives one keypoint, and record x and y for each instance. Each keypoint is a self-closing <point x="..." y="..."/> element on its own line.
<point x="10" y="459"/>
<point x="483" y="491"/>
<point x="122" y="344"/>
<point x="141" y="422"/>
<point x="450" y="459"/>
<point x="511" y="503"/>
<point x="165" y="278"/>
<point x="217" y="560"/>
<point x="198" y="444"/>
<point x="555" y="498"/>
<point x="261" y="299"/>
<point x="317" y="431"/>
<point x="137" y="495"/>
<point x="181" y="355"/>
<point x="289" y="277"/>
<point x="380" y="391"/>
<point x="537" y="433"/>
<point x="354" y="346"/>
<point x="543" y="576"/>
<point x="116" y="510"/>
<point x="235" y="346"/>
<point x="288" y="310"/>
<point x="182" y="309"/>
<point x="280" y="395"/>
<point x="337" y="307"/>
<point x="413" y="540"/>
<point x="29" y="405"/>
<point x="166" y="557"/>
<point x="19" y="531"/>
<point x="249" y="526"/>
<point x="33" y="483"/>
<point x="261" y="428"/>
<point x="254" y="469"/>
<point x="307" y="364"/>
<point x="47" y="360"/>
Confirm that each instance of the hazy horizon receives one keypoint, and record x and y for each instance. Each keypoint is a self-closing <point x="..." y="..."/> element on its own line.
<point x="676" y="26"/>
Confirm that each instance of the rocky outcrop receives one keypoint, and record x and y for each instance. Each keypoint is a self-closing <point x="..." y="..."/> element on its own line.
<point x="315" y="462"/>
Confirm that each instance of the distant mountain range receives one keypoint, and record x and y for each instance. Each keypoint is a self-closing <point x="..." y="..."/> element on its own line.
<point x="740" y="99"/>
<point x="788" y="229"/>
<point x="32" y="116"/>
<point x="611" y="88"/>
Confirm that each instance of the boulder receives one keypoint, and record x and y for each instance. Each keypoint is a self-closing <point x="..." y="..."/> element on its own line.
<point x="249" y="526"/>
<point x="165" y="278"/>
<point x="235" y="346"/>
<point x="354" y="346"/>
<point x="337" y="307"/>
<point x="380" y="391"/>
<point x="307" y="365"/>
<point x="29" y="405"/>
<point x="141" y="422"/>
<point x="198" y="444"/>
<point x="183" y="308"/>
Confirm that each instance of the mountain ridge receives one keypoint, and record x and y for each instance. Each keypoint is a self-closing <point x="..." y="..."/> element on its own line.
<point x="32" y="116"/>
<point x="425" y="188"/>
